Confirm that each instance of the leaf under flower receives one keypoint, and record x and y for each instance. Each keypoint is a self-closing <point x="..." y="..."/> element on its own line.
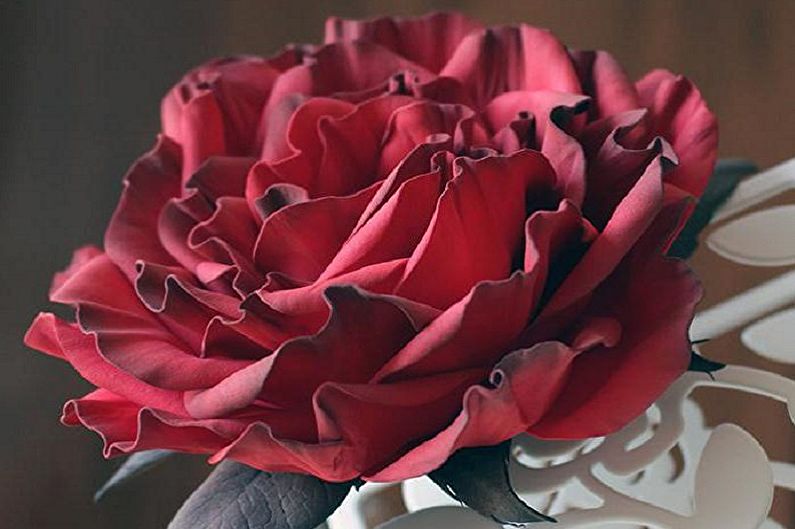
<point x="478" y="478"/>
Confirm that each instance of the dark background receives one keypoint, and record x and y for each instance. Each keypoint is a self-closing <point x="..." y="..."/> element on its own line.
<point x="81" y="84"/>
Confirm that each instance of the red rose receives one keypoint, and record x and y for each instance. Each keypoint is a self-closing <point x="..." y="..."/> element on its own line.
<point x="354" y="259"/>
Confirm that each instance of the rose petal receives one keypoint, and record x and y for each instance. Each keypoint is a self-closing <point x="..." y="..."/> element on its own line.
<point x="429" y="40"/>
<point x="610" y="386"/>
<point x="678" y="113"/>
<point x="222" y="176"/>
<point x="481" y="328"/>
<point x="525" y="383"/>
<point x="300" y="240"/>
<point x="362" y="332"/>
<point x="630" y="220"/>
<point x="477" y="225"/>
<point x="498" y="60"/>
<point x="394" y="230"/>
<point x="416" y="408"/>
<point x="604" y="80"/>
<point x="130" y="338"/>
<point x="215" y="109"/>
<point x="126" y="427"/>
<point x="150" y="183"/>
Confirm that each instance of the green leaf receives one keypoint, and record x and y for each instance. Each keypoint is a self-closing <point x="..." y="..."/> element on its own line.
<point x="133" y="466"/>
<point x="700" y="364"/>
<point x="236" y="495"/>
<point x="478" y="478"/>
<point x="724" y="180"/>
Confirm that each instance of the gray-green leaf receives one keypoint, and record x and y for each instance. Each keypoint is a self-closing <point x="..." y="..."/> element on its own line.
<point x="727" y="175"/>
<point x="236" y="496"/>
<point x="135" y="465"/>
<point x="478" y="478"/>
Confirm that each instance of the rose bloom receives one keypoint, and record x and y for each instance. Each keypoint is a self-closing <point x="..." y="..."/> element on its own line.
<point x="351" y="260"/>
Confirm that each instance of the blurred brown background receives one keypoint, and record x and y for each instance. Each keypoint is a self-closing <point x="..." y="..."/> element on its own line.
<point x="82" y="80"/>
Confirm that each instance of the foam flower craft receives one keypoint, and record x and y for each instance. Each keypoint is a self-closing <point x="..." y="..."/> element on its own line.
<point x="353" y="259"/>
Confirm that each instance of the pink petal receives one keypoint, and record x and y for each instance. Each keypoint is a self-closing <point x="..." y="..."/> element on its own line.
<point x="606" y="82"/>
<point x="507" y="58"/>
<point x="524" y="385"/>
<point x="132" y="233"/>
<point x="429" y="40"/>
<point x="678" y="113"/>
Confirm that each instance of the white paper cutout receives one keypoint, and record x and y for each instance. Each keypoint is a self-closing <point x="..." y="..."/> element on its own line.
<point x="763" y="238"/>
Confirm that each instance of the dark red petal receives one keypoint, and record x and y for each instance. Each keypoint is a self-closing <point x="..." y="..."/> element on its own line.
<point x="480" y="329"/>
<point x="416" y="124"/>
<point x="222" y="176"/>
<point x="307" y="301"/>
<point x="524" y="385"/>
<point x="472" y="333"/>
<point x="336" y="148"/>
<point x="42" y="336"/>
<point x="653" y="298"/>
<point x="341" y="67"/>
<point x="558" y="120"/>
<point x="631" y="218"/>
<point x="215" y="109"/>
<point x="260" y="448"/>
<point x="363" y="331"/>
<point x="613" y="168"/>
<point x="231" y="223"/>
<point x="81" y="351"/>
<point x="416" y="409"/>
<point x="177" y="218"/>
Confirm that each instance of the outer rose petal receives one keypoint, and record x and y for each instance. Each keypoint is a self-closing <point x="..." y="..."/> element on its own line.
<point x="362" y="332"/>
<point x="604" y="79"/>
<point x="215" y="109"/>
<point x="428" y="41"/>
<point x="127" y="427"/>
<point x="340" y="67"/>
<point x="610" y="386"/>
<point x="151" y="182"/>
<point x="494" y="61"/>
<point x="679" y="114"/>
<point x="300" y="241"/>
<point x="356" y="412"/>
<point x="127" y="337"/>
<point x="80" y="350"/>
<point x="525" y="383"/>
<point x="417" y="408"/>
